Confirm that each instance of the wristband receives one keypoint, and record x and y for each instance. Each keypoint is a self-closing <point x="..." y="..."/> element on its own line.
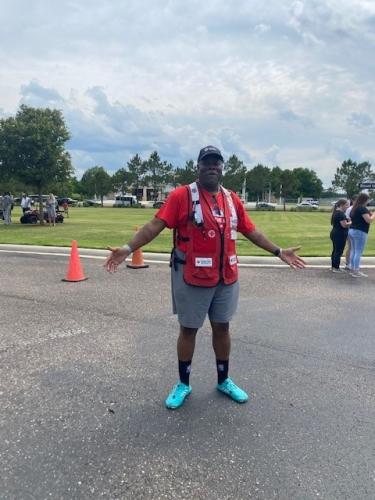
<point x="277" y="252"/>
<point x="128" y="248"/>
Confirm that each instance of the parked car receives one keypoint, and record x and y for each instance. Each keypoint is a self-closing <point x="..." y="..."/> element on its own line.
<point x="158" y="204"/>
<point x="264" y="205"/>
<point x="91" y="203"/>
<point x="371" y="203"/>
<point x="35" y="199"/>
<point x="312" y="201"/>
<point x="69" y="201"/>
<point x="306" y="205"/>
<point x="125" y="200"/>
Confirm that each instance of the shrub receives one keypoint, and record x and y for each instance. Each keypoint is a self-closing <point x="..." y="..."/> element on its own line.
<point x="135" y="205"/>
<point x="306" y="209"/>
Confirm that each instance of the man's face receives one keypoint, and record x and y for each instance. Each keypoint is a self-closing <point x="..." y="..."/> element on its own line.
<point x="210" y="171"/>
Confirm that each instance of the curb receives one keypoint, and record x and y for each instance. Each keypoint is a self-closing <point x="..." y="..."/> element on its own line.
<point x="163" y="258"/>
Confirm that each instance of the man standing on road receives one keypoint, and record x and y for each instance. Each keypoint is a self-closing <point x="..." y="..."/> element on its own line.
<point x="205" y="218"/>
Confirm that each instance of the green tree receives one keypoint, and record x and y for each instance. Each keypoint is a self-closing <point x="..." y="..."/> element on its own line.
<point x="308" y="183"/>
<point x="167" y="174"/>
<point x="12" y="185"/>
<point x="96" y="181"/>
<point x="258" y="181"/>
<point x="289" y="184"/>
<point x="76" y="191"/>
<point x="69" y="188"/>
<point x="350" y="175"/>
<point x="276" y="183"/>
<point x="32" y="149"/>
<point x="185" y="175"/>
<point x="121" y="180"/>
<point x="234" y="174"/>
<point x="137" y="169"/>
<point x="331" y="193"/>
<point x="158" y="173"/>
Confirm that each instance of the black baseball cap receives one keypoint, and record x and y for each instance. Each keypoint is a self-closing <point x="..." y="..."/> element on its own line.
<point x="209" y="150"/>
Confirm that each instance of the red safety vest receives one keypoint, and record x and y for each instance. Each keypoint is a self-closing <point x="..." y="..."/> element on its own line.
<point x="211" y="255"/>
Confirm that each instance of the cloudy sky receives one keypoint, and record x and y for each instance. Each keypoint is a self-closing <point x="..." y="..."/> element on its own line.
<point x="288" y="83"/>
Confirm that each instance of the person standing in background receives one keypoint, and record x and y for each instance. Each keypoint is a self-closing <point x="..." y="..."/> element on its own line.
<point x="66" y="208"/>
<point x="51" y="209"/>
<point x="347" y="252"/>
<point x="7" y="207"/>
<point x="358" y="233"/>
<point x="25" y="203"/>
<point x="339" y="233"/>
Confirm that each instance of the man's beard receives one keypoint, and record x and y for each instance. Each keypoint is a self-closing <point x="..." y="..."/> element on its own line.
<point x="210" y="182"/>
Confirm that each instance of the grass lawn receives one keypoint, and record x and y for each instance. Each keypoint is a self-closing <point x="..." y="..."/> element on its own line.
<point x="99" y="227"/>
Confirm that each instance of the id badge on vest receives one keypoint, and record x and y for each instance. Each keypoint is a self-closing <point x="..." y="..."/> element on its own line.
<point x="203" y="262"/>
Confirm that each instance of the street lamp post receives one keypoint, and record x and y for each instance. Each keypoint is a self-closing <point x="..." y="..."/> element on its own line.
<point x="244" y="189"/>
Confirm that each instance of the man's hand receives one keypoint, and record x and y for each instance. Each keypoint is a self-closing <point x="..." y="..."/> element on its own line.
<point x="288" y="255"/>
<point x="117" y="257"/>
<point x="146" y="234"/>
<point x="291" y="258"/>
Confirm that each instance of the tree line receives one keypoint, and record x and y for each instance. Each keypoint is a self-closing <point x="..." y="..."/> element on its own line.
<point x="33" y="156"/>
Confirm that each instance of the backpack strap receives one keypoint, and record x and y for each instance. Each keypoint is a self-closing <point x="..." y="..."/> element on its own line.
<point x="233" y="213"/>
<point x="197" y="209"/>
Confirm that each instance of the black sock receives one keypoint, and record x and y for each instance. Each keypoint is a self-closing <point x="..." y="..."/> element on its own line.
<point x="222" y="370"/>
<point x="184" y="368"/>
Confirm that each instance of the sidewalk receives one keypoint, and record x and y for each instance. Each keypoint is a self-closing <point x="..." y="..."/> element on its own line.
<point x="163" y="258"/>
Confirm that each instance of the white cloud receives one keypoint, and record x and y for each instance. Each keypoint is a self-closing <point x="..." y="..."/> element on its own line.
<point x="272" y="155"/>
<point x="279" y="81"/>
<point x="262" y="28"/>
<point x="360" y="120"/>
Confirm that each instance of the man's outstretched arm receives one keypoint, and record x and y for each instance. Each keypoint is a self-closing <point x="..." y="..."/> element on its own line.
<point x="146" y="234"/>
<point x="287" y="255"/>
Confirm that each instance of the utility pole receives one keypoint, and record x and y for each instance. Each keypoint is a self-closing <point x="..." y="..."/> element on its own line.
<point x="244" y="190"/>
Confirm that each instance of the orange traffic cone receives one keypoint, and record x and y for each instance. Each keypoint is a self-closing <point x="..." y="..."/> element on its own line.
<point x="137" y="258"/>
<point x="74" y="272"/>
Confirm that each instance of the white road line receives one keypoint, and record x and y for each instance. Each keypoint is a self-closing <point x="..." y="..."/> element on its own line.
<point x="38" y="253"/>
<point x="151" y="261"/>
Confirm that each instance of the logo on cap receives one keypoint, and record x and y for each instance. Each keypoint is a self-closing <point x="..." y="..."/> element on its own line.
<point x="209" y="150"/>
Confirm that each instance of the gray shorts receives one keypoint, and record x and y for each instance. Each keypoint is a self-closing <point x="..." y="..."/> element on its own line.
<point x="193" y="303"/>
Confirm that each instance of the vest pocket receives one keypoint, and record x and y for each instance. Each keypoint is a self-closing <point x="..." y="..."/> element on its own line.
<point x="203" y="266"/>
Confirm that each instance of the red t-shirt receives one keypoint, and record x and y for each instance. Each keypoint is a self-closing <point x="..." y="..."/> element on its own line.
<point x="177" y="207"/>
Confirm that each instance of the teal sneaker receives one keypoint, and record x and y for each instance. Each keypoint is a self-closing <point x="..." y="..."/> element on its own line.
<point x="229" y="388"/>
<point x="177" y="396"/>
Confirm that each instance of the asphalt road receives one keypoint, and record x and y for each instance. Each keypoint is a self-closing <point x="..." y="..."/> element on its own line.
<point x="85" y="368"/>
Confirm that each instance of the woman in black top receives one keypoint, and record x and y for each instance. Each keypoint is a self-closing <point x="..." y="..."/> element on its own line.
<point x="358" y="233"/>
<point x="339" y="232"/>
